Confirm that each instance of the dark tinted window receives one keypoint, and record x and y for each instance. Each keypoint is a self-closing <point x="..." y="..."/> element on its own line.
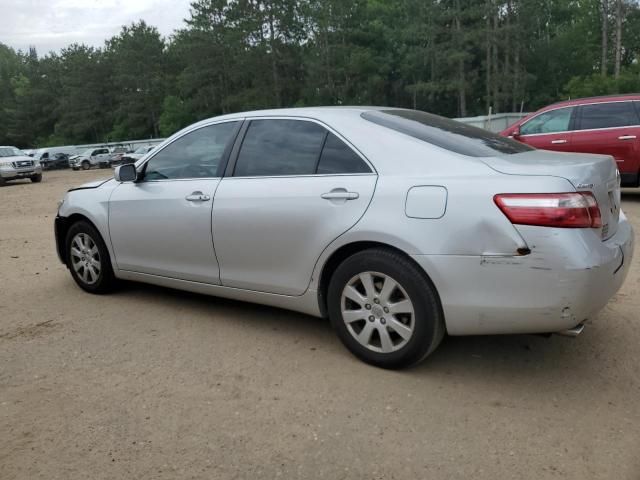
<point x="280" y="147"/>
<point x="445" y="133"/>
<point x="194" y="155"/>
<point x="548" y="122"/>
<point x="607" y="115"/>
<point x="337" y="157"/>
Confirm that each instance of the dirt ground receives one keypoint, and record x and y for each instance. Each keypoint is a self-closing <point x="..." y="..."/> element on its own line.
<point x="155" y="383"/>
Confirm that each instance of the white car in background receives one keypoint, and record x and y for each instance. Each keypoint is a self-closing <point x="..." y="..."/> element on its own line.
<point x="136" y="155"/>
<point x="92" y="157"/>
<point x="15" y="165"/>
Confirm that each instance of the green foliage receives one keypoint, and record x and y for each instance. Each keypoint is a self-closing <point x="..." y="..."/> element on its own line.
<point x="175" y="115"/>
<point x="596" y="84"/>
<point x="451" y="57"/>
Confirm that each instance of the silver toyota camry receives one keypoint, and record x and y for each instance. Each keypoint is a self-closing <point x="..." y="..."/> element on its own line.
<point x="398" y="225"/>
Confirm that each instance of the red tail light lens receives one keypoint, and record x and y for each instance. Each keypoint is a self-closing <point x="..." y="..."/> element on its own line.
<point x="560" y="210"/>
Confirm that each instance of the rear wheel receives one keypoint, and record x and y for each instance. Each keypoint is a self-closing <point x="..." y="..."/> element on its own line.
<point x="384" y="309"/>
<point x="88" y="259"/>
<point x="86" y="165"/>
<point x="36" y="178"/>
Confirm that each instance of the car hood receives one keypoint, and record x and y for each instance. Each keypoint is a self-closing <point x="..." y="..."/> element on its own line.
<point x="94" y="184"/>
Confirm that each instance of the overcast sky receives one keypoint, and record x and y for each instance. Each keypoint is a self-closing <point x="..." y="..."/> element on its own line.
<point x="54" y="24"/>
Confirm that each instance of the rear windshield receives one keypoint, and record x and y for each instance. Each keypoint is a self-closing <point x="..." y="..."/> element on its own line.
<point x="446" y="133"/>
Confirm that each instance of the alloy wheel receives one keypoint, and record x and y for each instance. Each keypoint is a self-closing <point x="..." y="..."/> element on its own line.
<point x="85" y="258"/>
<point x="378" y="312"/>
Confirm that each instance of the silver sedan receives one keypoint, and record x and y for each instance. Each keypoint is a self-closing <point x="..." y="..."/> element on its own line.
<point x="398" y="225"/>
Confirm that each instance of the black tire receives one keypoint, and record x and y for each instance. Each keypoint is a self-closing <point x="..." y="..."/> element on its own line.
<point x="36" y="178"/>
<point x="3" y="182"/>
<point x="75" y="169"/>
<point x="428" y="319"/>
<point x="106" y="280"/>
<point x="86" y="165"/>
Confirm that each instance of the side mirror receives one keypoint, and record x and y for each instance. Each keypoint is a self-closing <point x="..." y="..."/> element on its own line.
<point x="515" y="133"/>
<point x="125" y="173"/>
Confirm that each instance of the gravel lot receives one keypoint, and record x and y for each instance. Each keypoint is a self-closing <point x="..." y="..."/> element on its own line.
<point x="155" y="383"/>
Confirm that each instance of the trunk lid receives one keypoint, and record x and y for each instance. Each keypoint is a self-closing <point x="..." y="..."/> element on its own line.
<point x="587" y="173"/>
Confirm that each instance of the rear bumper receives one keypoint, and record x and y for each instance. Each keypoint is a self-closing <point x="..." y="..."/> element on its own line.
<point x="555" y="288"/>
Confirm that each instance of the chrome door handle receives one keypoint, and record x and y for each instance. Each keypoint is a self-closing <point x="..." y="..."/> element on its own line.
<point x="558" y="141"/>
<point x="627" y="137"/>
<point x="197" y="197"/>
<point x="340" y="194"/>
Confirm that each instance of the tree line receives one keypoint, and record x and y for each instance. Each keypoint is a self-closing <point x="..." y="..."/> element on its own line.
<point x="451" y="57"/>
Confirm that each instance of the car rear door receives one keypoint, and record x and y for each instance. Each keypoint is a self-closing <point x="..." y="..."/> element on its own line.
<point x="610" y="128"/>
<point x="549" y="130"/>
<point x="161" y="225"/>
<point x="293" y="189"/>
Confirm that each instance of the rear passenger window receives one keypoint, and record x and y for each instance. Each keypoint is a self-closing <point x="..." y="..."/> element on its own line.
<point x="280" y="147"/>
<point x="607" y="115"/>
<point x="337" y="157"/>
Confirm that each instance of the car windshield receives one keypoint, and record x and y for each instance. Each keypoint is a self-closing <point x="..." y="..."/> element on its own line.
<point x="446" y="133"/>
<point x="11" y="152"/>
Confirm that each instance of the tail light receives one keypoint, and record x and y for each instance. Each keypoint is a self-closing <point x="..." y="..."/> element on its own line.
<point x="560" y="210"/>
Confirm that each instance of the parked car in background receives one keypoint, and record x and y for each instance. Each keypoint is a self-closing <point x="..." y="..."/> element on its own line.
<point x="397" y="224"/>
<point x="92" y="157"/>
<point x="15" y="164"/>
<point x="57" y="160"/>
<point x="45" y="154"/>
<point x="607" y="125"/>
<point x="136" y="155"/>
<point x="117" y="154"/>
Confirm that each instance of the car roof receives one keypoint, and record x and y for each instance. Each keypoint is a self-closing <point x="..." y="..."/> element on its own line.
<point x="600" y="99"/>
<point x="311" y="112"/>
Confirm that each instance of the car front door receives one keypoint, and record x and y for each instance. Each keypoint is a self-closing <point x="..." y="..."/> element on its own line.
<point x="610" y="128"/>
<point x="161" y="224"/>
<point x="550" y="130"/>
<point x="295" y="187"/>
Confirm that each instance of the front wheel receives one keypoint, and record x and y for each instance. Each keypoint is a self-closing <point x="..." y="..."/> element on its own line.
<point x="88" y="259"/>
<point x="36" y="178"/>
<point x="385" y="309"/>
<point x="86" y="165"/>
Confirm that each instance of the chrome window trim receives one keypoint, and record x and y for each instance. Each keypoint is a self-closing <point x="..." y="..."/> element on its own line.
<point x="572" y="131"/>
<point x="160" y="148"/>
<point x="323" y="125"/>
<point x="307" y="175"/>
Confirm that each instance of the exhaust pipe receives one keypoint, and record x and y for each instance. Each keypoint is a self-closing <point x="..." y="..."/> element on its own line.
<point x="572" y="332"/>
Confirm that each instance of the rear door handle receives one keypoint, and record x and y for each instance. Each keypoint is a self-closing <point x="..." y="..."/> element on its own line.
<point x="627" y="137"/>
<point x="197" y="196"/>
<point x="340" y="194"/>
<point x="558" y="141"/>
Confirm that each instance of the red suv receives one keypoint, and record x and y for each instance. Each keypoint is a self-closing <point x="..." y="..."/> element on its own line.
<point x="609" y="125"/>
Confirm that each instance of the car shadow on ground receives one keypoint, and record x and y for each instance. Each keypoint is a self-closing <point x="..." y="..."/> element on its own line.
<point x="629" y="195"/>
<point x="15" y="183"/>
<point x="496" y="359"/>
